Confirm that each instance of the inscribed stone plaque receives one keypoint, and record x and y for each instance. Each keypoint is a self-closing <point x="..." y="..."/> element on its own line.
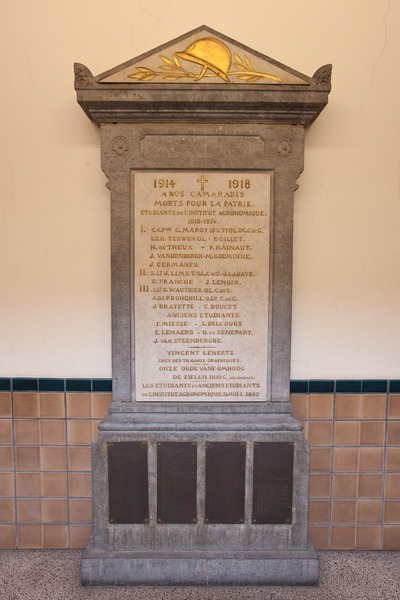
<point x="273" y="482"/>
<point x="176" y="482"/>
<point x="128" y="482"/>
<point x="201" y="274"/>
<point x="225" y="482"/>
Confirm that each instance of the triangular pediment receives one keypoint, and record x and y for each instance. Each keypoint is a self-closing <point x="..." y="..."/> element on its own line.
<point x="203" y="56"/>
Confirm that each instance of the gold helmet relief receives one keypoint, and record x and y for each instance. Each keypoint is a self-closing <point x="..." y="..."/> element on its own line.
<point x="215" y="59"/>
<point x="211" y="54"/>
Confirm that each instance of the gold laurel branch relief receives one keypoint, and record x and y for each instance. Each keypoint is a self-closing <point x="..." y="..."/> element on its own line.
<point x="248" y="73"/>
<point x="174" y="66"/>
<point x="175" y="71"/>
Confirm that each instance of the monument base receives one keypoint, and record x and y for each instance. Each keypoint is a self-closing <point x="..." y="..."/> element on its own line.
<point x="101" y="567"/>
<point x="218" y="500"/>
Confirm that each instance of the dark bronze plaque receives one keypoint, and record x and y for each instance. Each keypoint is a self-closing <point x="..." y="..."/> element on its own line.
<point x="176" y="482"/>
<point x="225" y="482"/>
<point x="128" y="482"/>
<point x="273" y="483"/>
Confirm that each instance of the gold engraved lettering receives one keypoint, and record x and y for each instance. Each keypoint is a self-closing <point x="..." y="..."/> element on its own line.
<point x="192" y="330"/>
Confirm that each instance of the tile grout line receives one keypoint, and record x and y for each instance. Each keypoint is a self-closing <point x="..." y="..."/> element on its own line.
<point x="16" y="537"/>
<point x="332" y="467"/>
<point x="67" y="468"/>
<point x="385" y="440"/>
<point x="383" y="468"/>
<point x="359" y="420"/>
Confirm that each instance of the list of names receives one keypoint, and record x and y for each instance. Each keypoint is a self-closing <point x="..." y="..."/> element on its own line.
<point x="201" y="283"/>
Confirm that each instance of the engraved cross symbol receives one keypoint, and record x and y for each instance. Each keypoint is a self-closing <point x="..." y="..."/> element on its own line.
<point x="202" y="181"/>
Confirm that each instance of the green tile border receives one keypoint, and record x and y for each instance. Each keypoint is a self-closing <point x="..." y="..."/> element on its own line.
<point x="5" y="384"/>
<point x="345" y="386"/>
<point x="51" y="385"/>
<point x="78" y="385"/>
<point x="297" y="386"/>
<point x="25" y="384"/>
<point x="54" y="384"/>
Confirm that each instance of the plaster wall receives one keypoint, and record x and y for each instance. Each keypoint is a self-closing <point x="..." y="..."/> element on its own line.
<point x="54" y="207"/>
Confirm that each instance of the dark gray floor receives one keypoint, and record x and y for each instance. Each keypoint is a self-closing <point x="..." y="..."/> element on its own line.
<point x="54" y="575"/>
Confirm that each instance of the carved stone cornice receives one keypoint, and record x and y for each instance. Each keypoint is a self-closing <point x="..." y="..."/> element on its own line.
<point x="122" y="96"/>
<point x="124" y="103"/>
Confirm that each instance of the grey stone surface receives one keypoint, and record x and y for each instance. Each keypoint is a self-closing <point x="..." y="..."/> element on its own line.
<point x="176" y="151"/>
<point x="200" y="568"/>
<point x="55" y="575"/>
<point x="223" y="127"/>
<point x="244" y="538"/>
<point x="237" y="102"/>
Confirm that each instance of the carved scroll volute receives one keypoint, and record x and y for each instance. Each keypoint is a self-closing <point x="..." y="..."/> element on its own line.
<point x="322" y="76"/>
<point x="83" y="77"/>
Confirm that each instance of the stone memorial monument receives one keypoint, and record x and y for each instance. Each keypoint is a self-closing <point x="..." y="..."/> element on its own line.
<point x="200" y="469"/>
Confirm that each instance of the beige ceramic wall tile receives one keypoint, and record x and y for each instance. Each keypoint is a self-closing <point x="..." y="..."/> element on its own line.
<point x="320" y="406"/>
<point x="100" y="404"/>
<point x="54" y="510"/>
<point x="7" y="537"/>
<point x="319" y="511"/>
<point x="319" y="486"/>
<point x="392" y="512"/>
<point x="29" y="510"/>
<point x="345" y="459"/>
<point x="300" y="405"/>
<point x="79" y="406"/>
<point x="27" y="458"/>
<point x="81" y="511"/>
<point x="79" y="535"/>
<point x="347" y="406"/>
<point x="6" y="431"/>
<point x="391" y="537"/>
<point x="320" y="459"/>
<point x="7" y="510"/>
<point x="80" y="484"/>
<point x="53" y="458"/>
<point x="373" y="406"/>
<point x="5" y="404"/>
<point x="51" y="405"/>
<point x="343" y="537"/>
<point x="345" y="485"/>
<point x="394" y="406"/>
<point x="347" y="433"/>
<point x="26" y="404"/>
<point x="372" y="433"/>
<point x="393" y="433"/>
<point x="28" y="484"/>
<point x="319" y="433"/>
<point x="344" y="511"/>
<point x="79" y="432"/>
<point x="6" y="458"/>
<point x="30" y="536"/>
<point x="54" y="484"/>
<point x="55" y="536"/>
<point x="52" y="431"/>
<point x="80" y="458"/>
<point x="393" y="459"/>
<point x="6" y="484"/>
<point x="392" y="485"/>
<point x="26" y="431"/>
<point x="319" y="536"/>
<point x="371" y="459"/>
<point x="370" y="485"/>
<point x="369" y="511"/>
<point x="368" y="538"/>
